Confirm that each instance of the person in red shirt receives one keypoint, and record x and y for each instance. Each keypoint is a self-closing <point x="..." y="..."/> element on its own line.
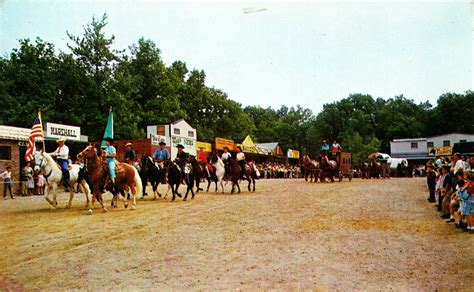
<point x="202" y="158"/>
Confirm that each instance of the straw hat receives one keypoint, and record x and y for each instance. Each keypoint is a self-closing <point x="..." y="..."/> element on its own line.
<point x="61" y="140"/>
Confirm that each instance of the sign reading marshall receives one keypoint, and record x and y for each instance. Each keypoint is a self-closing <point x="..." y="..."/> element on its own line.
<point x="63" y="131"/>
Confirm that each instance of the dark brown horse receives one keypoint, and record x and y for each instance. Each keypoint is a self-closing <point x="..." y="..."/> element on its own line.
<point x="364" y="169"/>
<point x="127" y="178"/>
<point x="311" y="169"/>
<point x="375" y="168"/>
<point x="250" y="175"/>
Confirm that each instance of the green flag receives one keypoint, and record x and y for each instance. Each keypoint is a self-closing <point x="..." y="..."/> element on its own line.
<point x="109" y="129"/>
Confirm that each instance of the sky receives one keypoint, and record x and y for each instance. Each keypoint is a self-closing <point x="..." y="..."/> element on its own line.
<point x="307" y="53"/>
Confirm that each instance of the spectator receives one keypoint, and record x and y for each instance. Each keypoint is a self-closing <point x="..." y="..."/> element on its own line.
<point x="431" y="180"/>
<point x="7" y="182"/>
<point x="30" y="182"/>
<point x="40" y="183"/>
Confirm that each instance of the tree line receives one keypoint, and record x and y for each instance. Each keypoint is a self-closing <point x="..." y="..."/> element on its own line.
<point x="78" y="87"/>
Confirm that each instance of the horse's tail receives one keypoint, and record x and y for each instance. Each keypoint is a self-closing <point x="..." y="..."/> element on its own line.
<point x="138" y="182"/>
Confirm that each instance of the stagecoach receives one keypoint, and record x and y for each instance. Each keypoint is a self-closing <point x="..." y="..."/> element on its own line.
<point x="345" y="166"/>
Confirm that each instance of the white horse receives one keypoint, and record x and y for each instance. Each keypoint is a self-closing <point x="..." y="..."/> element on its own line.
<point x="53" y="176"/>
<point x="220" y="172"/>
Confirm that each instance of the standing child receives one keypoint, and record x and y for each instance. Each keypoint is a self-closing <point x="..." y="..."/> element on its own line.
<point x="465" y="195"/>
<point x="30" y="182"/>
<point x="7" y="182"/>
<point x="40" y="183"/>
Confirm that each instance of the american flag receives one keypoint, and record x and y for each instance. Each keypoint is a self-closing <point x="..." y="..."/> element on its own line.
<point x="36" y="131"/>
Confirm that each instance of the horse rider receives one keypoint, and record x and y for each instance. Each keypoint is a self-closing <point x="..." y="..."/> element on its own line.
<point x="202" y="159"/>
<point x="325" y="148"/>
<point x="130" y="155"/>
<point x="161" y="154"/>
<point x="241" y="160"/>
<point x="110" y="154"/>
<point x="62" y="155"/>
<point x="225" y="157"/>
<point x="181" y="158"/>
<point x="336" y="150"/>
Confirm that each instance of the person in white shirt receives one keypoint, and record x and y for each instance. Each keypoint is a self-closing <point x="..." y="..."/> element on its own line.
<point x="62" y="155"/>
<point x="7" y="182"/>
<point x="241" y="160"/>
<point x="457" y="163"/>
<point x="226" y="155"/>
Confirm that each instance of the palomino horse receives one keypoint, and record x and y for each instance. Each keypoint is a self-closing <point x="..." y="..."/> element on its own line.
<point x="311" y="169"/>
<point x="249" y="171"/>
<point x="153" y="174"/>
<point x="126" y="179"/>
<point x="329" y="168"/>
<point x="53" y="175"/>
<point x="218" y="176"/>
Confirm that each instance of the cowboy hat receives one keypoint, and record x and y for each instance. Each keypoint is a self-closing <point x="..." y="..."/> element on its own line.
<point x="225" y="147"/>
<point x="162" y="143"/>
<point x="128" y="144"/>
<point x="108" y="139"/>
<point x="180" y="146"/>
<point x="61" y="140"/>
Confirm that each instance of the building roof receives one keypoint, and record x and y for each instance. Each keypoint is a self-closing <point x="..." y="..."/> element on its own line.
<point x="452" y="133"/>
<point x="15" y="133"/>
<point x="409" y="140"/>
<point x="270" y="145"/>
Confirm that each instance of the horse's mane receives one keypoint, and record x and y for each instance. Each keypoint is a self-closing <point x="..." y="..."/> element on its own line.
<point x="50" y="161"/>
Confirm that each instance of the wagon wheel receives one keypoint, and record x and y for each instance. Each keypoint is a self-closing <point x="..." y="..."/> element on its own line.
<point x="340" y="176"/>
<point x="350" y="175"/>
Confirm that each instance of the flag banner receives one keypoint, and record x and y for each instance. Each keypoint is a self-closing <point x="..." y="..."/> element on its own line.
<point x="109" y="129"/>
<point x="36" y="131"/>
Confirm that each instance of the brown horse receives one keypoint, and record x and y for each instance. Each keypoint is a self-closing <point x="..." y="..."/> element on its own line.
<point x="250" y="175"/>
<point x="127" y="178"/>
<point x="375" y="168"/>
<point x="329" y="168"/>
<point x="364" y="169"/>
<point x="311" y="169"/>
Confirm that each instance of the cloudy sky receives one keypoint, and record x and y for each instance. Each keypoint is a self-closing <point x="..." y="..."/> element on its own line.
<point x="306" y="53"/>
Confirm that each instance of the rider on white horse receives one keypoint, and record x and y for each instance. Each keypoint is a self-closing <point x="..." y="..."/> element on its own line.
<point x="62" y="155"/>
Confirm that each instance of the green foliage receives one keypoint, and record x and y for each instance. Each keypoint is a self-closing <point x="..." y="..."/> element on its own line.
<point x="78" y="88"/>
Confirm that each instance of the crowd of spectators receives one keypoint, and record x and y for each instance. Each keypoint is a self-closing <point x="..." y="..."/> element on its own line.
<point x="451" y="185"/>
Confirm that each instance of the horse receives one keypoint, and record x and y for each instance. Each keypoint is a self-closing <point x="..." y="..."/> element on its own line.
<point x="199" y="171"/>
<point x="153" y="174"/>
<point x="375" y="167"/>
<point x="329" y="168"/>
<point x="174" y="177"/>
<point x="127" y="178"/>
<point x="219" y="172"/>
<point x="189" y="179"/>
<point x="53" y="175"/>
<point x="311" y="169"/>
<point x="250" y="175"/>
<point x="364" y="169"/>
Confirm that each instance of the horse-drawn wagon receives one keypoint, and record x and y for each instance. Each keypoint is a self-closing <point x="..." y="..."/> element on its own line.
<point x="345" y="166"/>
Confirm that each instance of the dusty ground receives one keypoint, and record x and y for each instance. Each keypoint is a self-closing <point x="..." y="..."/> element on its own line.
<point x="375" y="235"/>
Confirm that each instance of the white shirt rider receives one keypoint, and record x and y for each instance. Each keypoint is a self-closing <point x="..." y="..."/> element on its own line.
<point x="226" y="155"/>
<point x="240" y="156"/>
<point x="62" y="152"/>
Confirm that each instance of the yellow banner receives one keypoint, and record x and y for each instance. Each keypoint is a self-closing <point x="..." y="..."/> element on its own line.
<point x="221" y="143"/>
<point x="440" y="150"/>
<point x="206" y="147"/>
<point x="296" y="154"/>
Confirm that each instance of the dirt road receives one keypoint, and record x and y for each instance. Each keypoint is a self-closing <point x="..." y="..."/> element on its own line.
<point x="376" y="235"/>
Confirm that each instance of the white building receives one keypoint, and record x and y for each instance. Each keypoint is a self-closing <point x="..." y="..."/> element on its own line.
<point x="448" y="140"/>
<point x="426" y="148"/>
<point x="410" y="149"/>
<point x="177" y="132"/>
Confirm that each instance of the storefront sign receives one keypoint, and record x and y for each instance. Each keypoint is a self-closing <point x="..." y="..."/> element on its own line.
<point x="221" y="143"/>
<point x="156" y="139"/>
<point x="293" y="154"/>
<point x="249" y="147"/>
<point x="440" y="151"/>
<point x="189" y="145"/>
<point x="63" y="131"/>
<point x="206" y="147"/>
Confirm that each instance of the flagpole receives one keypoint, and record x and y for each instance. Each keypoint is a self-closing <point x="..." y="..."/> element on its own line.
<point x="41" y="123"/>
